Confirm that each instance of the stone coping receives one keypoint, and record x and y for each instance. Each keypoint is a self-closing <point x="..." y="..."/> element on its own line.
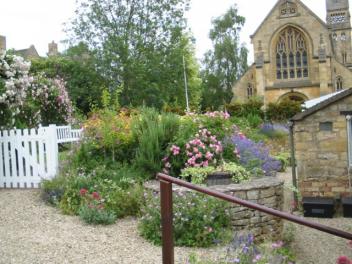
<point x="252" y="184"/>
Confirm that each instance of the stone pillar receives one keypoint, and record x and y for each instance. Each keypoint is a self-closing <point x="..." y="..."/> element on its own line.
<point x="53" y="49"/>
<point x="2" y="43"/>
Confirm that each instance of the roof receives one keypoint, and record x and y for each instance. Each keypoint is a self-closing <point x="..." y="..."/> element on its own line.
<point x="29" y="53"/>
<point x="322" y="103"/>
<point x="278" y="3"/>
<point x="313" y="102"/>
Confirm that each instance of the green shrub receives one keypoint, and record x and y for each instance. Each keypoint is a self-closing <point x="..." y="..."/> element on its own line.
<point x="283" y="111"/>
<point x="53" y="190"/>
<point x="126" y="202"/>
<point x="153" y="132"/>
<point x="198" y="220"/>
<point x="285" y="159"/>
<point x="251" y="107"/>
<point x="96" y="216"/>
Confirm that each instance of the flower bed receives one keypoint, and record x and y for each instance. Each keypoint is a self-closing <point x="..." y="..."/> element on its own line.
<point x="266" y="191"/>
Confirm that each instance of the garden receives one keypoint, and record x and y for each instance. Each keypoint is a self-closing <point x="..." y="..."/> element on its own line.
<point x="102" y="179"/>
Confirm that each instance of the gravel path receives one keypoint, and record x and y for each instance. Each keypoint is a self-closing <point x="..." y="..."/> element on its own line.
<point x="32" y="232"/>
<point x="312" y="246"/>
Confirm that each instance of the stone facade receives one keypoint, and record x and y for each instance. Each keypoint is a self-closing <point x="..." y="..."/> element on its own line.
<point x="266" y="191"/>
<point x="31" y="52"/>
<point x="327" y="53"/>
<point x="321" y="146"/>
<point x="2" y="43"/>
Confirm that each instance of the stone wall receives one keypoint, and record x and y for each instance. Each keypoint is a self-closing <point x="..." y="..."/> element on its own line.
<point x="266" y="191"/>
<point x="322" y="155"/>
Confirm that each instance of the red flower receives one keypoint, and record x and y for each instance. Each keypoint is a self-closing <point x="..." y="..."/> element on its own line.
<point x="96" y="195"/>
<point x="83" y="192"/>
<point x="343" y="260"/>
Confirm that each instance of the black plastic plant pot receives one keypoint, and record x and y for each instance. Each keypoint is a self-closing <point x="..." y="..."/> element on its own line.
<point x="347" y="206"/>
<point x="321" y="207"/>
<point x="219" y="178"/>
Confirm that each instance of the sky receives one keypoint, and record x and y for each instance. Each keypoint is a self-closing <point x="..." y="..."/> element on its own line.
<point x="38" y="22"/>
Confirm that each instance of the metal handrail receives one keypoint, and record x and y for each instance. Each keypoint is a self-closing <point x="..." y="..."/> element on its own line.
<point x="166" y="213"/>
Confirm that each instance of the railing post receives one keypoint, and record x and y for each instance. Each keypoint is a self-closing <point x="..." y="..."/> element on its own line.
<point x="166" y="222"/>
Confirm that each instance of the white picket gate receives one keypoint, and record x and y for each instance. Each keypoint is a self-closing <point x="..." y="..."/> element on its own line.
<point x="30" y="155"/>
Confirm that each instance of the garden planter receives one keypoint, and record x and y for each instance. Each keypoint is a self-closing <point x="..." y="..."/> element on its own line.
<point x="219" y="178"/>
<point x="347" y="206"/>
<point x="318" y="207"/>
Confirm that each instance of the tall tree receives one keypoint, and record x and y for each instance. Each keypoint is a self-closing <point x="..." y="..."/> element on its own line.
<point x="226" y="61"/>
<point x="138" y="44"/>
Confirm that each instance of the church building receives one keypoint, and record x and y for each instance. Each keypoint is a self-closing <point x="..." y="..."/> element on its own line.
<point x="297" y="55"/>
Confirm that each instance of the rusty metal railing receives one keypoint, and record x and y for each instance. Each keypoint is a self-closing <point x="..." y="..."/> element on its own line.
<point x="166" y="213"/>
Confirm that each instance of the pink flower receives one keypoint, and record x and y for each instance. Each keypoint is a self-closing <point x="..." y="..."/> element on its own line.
<point x="83" y="192"/>
<point x="343" y="260"/>
<point x="199" y="155"/>
<point x="96" y="195"/>
<point x="195" y="150"/>
<point x="205" y="163"/>
<point x="209" y="155"/>
<point x="175" y="150"/>
<point x="168" y="165"/>
<point x="278" y="244"/>
<point x="210" y="229"/>
<point x="188" y="146"/>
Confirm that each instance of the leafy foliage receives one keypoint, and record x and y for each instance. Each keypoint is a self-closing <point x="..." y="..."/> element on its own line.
<point x="198" y="220"/>
<point x="29" y="100"/>
<point x="153" y="132"/>
<point x="77" y="68"/>
<point x="283" y="111"/>
<point x="139" y="47"/>
<point x="226" y="62"/>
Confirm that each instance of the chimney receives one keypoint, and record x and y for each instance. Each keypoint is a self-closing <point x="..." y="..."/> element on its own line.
<point x="2" y="43"/>
<point x="53" y="50"/>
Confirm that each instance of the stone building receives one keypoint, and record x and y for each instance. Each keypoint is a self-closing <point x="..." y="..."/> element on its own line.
<point x="323" y="141"/>
<point x="31" y="52"/>
<point x="297" y="55"/>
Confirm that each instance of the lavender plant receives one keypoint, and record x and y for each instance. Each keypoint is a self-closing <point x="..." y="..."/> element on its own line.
<point x="254" y="155"/>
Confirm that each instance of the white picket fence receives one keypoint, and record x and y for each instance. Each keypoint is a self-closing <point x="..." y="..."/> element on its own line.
<point x="30" y="155"/>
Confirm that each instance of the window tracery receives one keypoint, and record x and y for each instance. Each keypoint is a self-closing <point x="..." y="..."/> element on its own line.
<point x="291" y="55"/>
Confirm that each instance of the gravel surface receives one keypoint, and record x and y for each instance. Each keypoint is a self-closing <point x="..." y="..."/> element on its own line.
<point x="312" y="246"/>
<point x="32" y="232"/>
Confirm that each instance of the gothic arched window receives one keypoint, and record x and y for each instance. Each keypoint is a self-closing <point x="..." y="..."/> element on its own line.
<point x="291" y="55"/>
<point x="339" y="83"/>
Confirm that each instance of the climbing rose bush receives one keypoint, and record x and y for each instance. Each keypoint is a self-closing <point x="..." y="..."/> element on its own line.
<point x="26" y="100"/>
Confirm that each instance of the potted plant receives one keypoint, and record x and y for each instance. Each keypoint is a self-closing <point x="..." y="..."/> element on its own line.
<point x="227" y="173"/>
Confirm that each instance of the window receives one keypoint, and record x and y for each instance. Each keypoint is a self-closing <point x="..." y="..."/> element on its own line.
<point x="249" y="90"/>
<point x="343" y="36"/>
<point x="349" y="139"/>
<point x="325" y="126"/>
<point x="291" y="55"/>
<point x="337" y="18"/>
<point x="344" y="57"/>
<point x="339" y="83"/>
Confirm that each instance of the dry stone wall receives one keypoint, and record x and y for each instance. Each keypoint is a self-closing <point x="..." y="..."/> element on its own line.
<point x="266" y="191"/>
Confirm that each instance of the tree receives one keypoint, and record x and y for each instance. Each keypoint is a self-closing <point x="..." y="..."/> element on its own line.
<point x="77" y="67"/>
<point x="139" y="46"/>
<point x="226" y="62"/>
